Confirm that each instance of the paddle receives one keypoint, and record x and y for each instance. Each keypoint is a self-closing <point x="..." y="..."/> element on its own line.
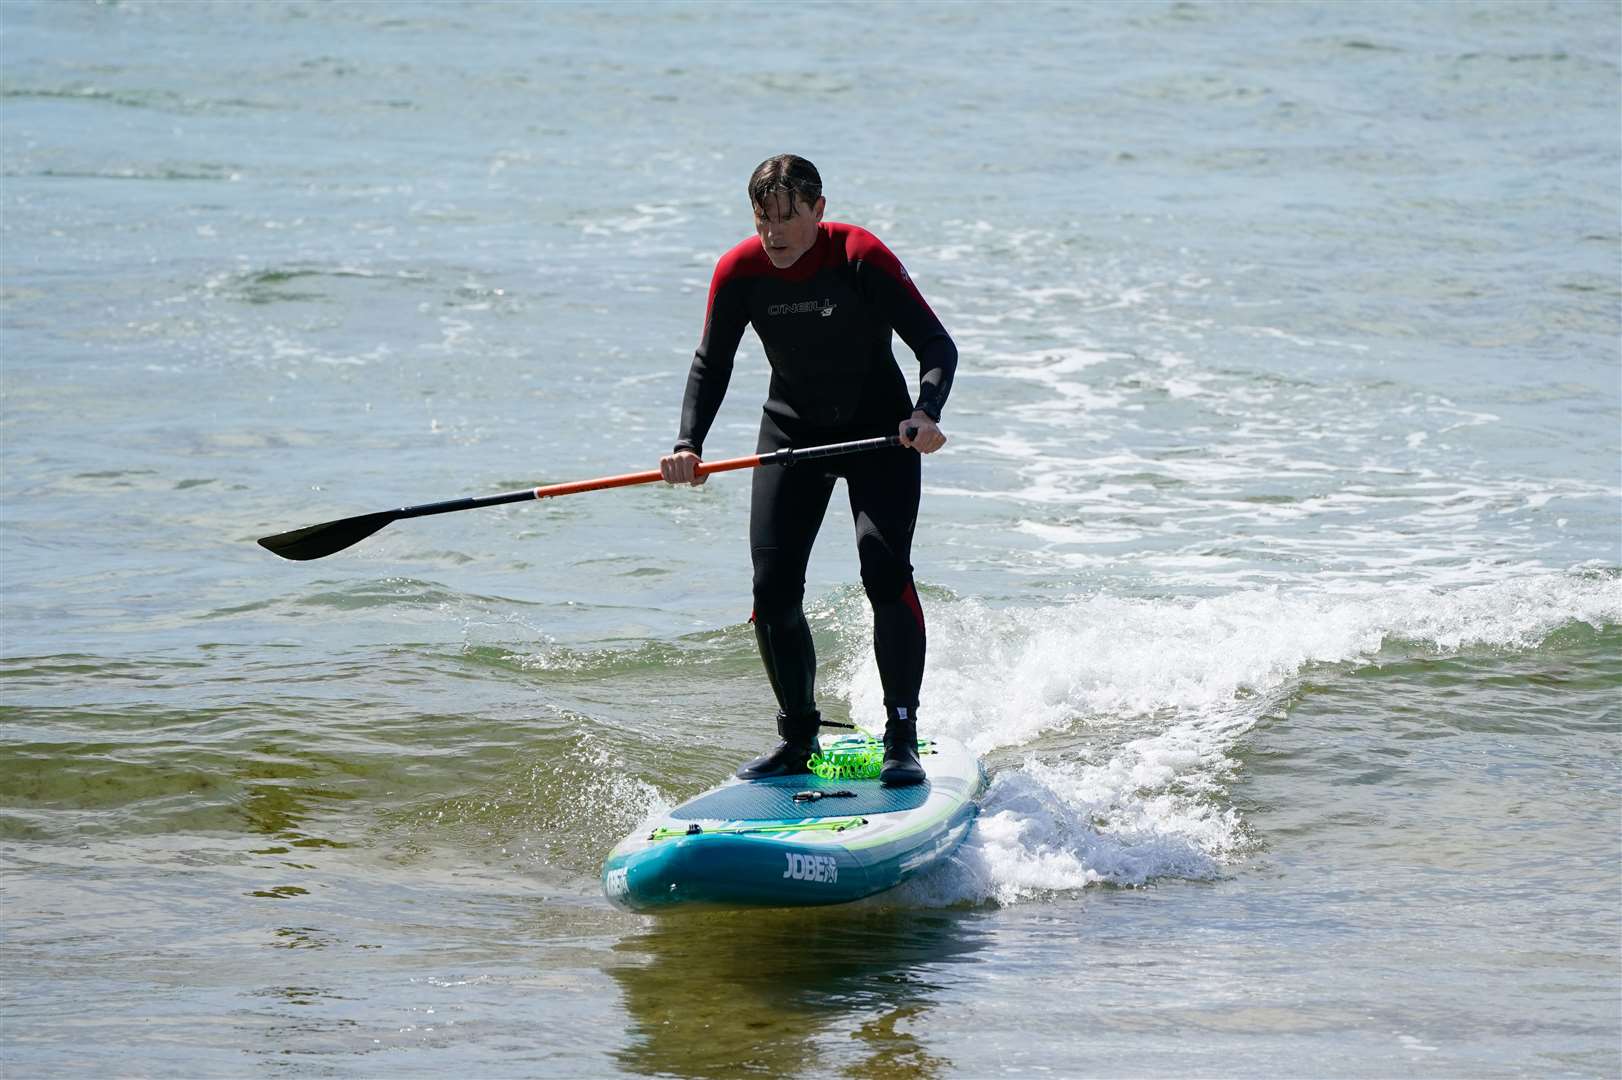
<point x="329" y="537"/>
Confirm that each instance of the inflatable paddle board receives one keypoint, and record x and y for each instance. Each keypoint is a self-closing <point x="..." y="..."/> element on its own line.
<point x="798" y="840"/>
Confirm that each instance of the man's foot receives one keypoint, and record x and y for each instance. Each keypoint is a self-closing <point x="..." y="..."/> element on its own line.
<point x="792" y="756"/>
<point x="901" y="765"/>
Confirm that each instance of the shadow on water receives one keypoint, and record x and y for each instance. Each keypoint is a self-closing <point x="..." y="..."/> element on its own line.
<point x="750" y="993"/>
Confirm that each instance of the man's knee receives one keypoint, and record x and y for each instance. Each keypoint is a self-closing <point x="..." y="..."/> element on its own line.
<point x="884" y="576"/>
<point x="777" y="595"/>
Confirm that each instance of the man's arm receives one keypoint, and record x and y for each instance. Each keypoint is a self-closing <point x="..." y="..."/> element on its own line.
<point x="891" y="289"/>
<point x="725" y="316"/>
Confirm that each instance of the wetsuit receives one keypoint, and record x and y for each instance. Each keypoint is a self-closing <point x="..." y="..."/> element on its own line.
<point x="826" y="325"/>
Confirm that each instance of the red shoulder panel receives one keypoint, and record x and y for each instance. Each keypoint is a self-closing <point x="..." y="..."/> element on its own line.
<point x="861" y="246"/>
<point x="746" y="260"/>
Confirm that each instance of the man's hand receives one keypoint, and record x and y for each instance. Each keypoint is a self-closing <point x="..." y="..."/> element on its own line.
<point x="929" y="438"/>
<point x="681" y="468"/>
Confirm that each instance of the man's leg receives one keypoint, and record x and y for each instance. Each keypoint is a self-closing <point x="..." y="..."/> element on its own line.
<point x="884" y="492"/>
<point x="786" y="509"/>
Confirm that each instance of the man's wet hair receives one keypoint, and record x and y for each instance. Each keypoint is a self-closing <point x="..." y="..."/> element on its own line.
<point x="787" y="173"/>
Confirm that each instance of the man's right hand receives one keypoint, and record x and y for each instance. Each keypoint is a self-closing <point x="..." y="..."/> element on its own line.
<point x="681" y="468"/>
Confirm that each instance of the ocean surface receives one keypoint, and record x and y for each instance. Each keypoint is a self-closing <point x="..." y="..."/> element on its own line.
<point x="1274" y="564"/>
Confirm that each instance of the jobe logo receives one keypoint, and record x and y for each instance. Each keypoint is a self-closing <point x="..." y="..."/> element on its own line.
<point x="618" y="882"/>
<point x="811" y="867"/>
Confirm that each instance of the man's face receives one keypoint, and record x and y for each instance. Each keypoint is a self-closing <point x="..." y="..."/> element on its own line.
<point x="787" y="227"/>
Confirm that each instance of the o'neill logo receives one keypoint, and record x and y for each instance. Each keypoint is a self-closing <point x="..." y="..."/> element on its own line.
<point x="811" y="867"/>
<point x="804" y="307"/>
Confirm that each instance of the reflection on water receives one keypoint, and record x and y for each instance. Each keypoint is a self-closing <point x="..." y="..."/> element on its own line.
<point x="722" y="994"/>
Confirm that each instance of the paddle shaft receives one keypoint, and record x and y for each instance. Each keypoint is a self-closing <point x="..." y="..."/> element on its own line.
<point x="576" y="487"/>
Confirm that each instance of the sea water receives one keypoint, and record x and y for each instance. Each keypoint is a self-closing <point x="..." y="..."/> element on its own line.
<point x="1273" y="565"/>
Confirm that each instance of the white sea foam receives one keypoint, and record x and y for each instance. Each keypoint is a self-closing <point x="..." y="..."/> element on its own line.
<point x="642" y="216"/>
<point x="1119" y="715"/>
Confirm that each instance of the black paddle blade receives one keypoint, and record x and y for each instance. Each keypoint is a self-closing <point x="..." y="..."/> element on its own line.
<point x="319" y="541"/>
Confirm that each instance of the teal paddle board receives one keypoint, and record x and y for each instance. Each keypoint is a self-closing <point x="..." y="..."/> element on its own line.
<point x="798" y="840"/>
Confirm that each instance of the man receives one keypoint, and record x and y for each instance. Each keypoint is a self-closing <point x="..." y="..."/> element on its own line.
<point x="824" y="298"/>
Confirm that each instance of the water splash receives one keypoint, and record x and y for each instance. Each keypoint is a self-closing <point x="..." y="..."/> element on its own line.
<point x="1119" y="718"/>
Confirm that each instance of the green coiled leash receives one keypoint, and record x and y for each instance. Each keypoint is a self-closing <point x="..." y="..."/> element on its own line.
<point x="854" y="757"/>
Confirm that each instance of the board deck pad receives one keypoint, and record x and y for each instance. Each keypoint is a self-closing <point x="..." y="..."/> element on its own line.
<point x="773" y="800"/>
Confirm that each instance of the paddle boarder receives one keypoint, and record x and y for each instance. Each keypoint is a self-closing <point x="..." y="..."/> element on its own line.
<point x="824" y="299"/>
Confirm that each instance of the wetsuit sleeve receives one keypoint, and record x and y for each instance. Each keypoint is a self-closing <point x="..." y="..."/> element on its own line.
<point x="725" y="316"/>
<point x="890" y="287"/>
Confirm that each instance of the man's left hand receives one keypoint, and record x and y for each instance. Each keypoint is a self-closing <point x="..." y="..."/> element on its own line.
<point x="929" y="437"/>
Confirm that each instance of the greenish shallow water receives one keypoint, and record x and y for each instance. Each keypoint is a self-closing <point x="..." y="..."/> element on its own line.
<point x="1274" y="565"/>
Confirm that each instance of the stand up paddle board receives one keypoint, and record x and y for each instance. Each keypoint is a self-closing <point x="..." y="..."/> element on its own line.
<point x="799" y="840"/>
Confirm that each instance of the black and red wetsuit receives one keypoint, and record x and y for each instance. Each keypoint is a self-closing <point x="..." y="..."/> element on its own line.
<point x="826" y="325"/>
